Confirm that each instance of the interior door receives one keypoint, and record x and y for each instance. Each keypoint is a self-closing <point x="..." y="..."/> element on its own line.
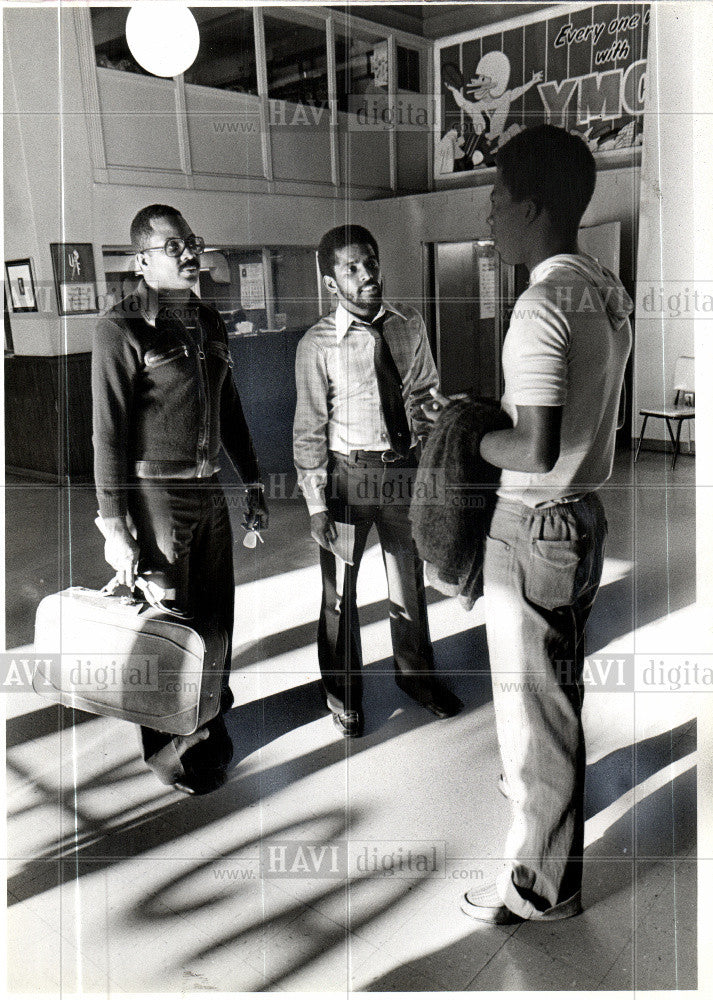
<point x="470" y="297"/>
<point x="471" y="292"/>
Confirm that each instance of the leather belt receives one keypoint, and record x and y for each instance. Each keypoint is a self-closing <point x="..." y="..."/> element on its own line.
<point x="561" y="502"/>
<point x="388" y="457"/>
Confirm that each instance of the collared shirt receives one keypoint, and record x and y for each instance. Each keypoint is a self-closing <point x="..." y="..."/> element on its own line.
<point x="338" y="404"/>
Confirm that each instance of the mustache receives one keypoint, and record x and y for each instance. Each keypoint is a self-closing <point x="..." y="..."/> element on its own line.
<point x="188" y="263"/>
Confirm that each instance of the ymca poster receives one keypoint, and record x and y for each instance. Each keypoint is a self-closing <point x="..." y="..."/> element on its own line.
<point x="584" y="70"/>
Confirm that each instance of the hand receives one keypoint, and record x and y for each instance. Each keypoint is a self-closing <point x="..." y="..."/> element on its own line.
<point x="256" y="517"/>
<point x="537" y="77"/>
<point x="323" y="528"/>
<point x="432" y="411"/>
<point x="121" y="550"/>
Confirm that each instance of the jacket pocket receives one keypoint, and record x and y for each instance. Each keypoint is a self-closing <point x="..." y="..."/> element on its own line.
<point x="157" y="357"/>
<point x="218" y="349"/>
<point x="551" y="575"/>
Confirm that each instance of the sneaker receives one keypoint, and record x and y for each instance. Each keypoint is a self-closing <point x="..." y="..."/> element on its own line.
<point x="485" y="904"/>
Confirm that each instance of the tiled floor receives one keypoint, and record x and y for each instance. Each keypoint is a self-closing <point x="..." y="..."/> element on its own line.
<point x="118" y="884"/>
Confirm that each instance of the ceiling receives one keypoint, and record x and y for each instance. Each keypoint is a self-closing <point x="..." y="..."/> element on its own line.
<point x="432" y="19"/>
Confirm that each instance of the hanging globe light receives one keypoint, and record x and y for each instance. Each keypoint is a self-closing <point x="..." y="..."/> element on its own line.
<point x="163" y="37"/>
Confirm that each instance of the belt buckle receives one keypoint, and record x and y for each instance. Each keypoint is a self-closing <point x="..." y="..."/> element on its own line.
<point x="390" y="456"/>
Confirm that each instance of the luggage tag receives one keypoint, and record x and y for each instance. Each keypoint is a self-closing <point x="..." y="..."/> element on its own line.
<point x="154" y="595"/>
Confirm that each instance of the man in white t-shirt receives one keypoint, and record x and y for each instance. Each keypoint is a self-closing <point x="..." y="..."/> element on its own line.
<point x="563" y="362"/>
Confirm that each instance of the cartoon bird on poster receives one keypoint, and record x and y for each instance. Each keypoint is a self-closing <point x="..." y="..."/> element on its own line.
<point x="490" y="108"/>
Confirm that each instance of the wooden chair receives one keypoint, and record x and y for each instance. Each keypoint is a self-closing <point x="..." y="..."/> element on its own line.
<point x="684" y="388"/>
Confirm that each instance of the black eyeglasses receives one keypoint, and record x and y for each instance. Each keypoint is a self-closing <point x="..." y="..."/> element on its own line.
<point x="174" y="246"/>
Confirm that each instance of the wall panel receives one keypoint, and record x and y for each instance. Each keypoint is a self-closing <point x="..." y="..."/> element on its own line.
<point x="139" y="120"/>
<point x="224" y="131"/>
<point x="300" y="142"/>
<point x="363" y="154"/>
<point x="48" y="416"/>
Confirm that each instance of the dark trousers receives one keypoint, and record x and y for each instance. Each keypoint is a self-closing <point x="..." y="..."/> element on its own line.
<point x="184" y="535"/>
<point x="365" y="492"/>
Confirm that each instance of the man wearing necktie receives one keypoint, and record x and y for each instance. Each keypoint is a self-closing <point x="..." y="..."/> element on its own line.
<point x="362" y="374"/>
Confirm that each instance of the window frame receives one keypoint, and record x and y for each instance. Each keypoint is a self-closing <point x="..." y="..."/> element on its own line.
<point x="331" y="21"/>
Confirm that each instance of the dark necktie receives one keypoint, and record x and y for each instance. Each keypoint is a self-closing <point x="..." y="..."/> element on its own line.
<point x="389" y="383"/>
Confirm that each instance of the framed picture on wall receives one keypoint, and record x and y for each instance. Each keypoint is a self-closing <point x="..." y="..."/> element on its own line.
<point x="74" y="278"/>
<point x="9" y="346"/>
<point x="21" y="284"/>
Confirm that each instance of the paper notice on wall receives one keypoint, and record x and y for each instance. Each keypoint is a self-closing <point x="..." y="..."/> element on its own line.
<point x="252" y="286"/>
<point x="380" y="64"/>
<point x="486" y="275"/>
<point x="78" y="297"/>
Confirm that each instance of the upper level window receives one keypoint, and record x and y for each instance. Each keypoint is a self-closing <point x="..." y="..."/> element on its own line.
<point x="362" y="68"/>
<point x="226" y="57"/>
<point x="408" y="69"/>
<point x="110" y="45"/>
<point x="296" y="60"/>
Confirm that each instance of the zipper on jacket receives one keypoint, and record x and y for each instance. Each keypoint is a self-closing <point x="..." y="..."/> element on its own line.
<point x="205" y="428"/>
<point x="175" y="352"/>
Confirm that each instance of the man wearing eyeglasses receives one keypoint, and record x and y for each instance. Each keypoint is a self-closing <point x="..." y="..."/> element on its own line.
<point x="163" y="403"/>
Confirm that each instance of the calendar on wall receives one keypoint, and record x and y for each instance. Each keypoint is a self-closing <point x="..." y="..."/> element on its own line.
<point x="252" y="286"/>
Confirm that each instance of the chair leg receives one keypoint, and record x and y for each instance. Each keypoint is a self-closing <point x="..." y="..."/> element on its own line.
<point x="672" y="436"/>
<point x="677" y="445"/>
<point x="641" y="438"/>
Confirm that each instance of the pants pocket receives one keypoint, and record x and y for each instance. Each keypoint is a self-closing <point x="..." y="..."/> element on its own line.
<point x="551" y="574"/>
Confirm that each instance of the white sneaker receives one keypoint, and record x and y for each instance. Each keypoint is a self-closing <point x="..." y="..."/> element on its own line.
<point x="485" y="904"/>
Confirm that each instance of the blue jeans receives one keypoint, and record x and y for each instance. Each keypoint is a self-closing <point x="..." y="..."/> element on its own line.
<point x="541" y="575"/>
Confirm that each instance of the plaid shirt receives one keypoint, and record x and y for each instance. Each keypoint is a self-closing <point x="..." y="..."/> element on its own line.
<point x="338" y="405"/>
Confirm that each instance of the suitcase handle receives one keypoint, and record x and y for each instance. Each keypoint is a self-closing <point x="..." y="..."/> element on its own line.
<point x="152" y="593"/>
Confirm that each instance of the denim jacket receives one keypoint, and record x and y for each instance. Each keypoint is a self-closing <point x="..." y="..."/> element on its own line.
<point x="163" y="399"/>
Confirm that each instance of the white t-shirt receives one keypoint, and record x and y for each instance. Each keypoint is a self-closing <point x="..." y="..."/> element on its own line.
<point x="567" y="345"/>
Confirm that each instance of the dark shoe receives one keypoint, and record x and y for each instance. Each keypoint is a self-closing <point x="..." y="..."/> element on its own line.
<point x="211" y="754"/>
<point x="201" y="783"/>
<point x="485" y="904"/>
<point x="349" y="723"/>
<point x="432" y="695"/>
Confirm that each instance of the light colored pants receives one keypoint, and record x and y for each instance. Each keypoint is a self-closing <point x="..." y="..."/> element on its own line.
<point x="541" y="575"/>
